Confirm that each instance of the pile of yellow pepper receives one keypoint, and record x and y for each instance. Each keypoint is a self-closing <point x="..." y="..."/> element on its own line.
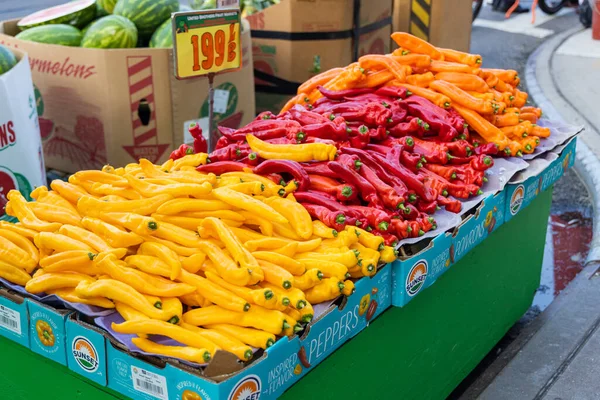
<point x="237" y="252"/>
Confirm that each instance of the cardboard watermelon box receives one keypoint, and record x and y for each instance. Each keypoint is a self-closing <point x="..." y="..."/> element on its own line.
<point x="296" y="39"/>
<point x="99" y="106"/>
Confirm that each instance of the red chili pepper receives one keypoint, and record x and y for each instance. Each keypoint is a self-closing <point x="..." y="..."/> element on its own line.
<point x="427" y="207"/>
<point x="387" y="193"/>
<point x="372" y="98"/>
<point x="265" y="115"/>
<point x="305" y="117"/>
<point x="399" y="227"/>
<point x="287" y="166"/>
<point x="388" y="238"/>
<point x="377" y="219"/>
<point x="325" y="130"/>
<point x="341" y="94"/>
<point x="251" y="159"/>
<point x="221" y="167"/>
<point x="183" y="150"/>
<point x="342" y="192"/>
<point x="233" y="151"/>
<point x="319" y="168"/>
<point x="333" y="219"/>
<point x="414" y="127"/>
<point x="488" y="148"/>
<point x="482" y="162"/>
<point x="445" y="171"/>
<point x="434" y="152"/>
<point x="278" y="179"/>
<point x="264" y="130"/>
<point x="378" y="148"/>
<point x="200" y="144"/>
<point x="457" y="121"/>
<point x="392" y="91"/>
<point x="349" y="174"/>
<point x="369" y="113"/>
<point x="459" y="148"/>
<point x="460" y="190"/>
<point x="450" y="204"/>
<point x="411" y="180"/>
<point x="327" y="201"/>
<point x="222" y="142"/>
<point x="411" y="160"/>
<point x="399" y="112"/>
<point x="436" y="117"/>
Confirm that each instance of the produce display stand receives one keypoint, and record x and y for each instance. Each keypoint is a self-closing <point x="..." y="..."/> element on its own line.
<point x="422" y="350"/>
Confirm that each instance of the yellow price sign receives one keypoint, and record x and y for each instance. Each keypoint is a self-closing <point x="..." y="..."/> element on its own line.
<point x="206" y="42"/>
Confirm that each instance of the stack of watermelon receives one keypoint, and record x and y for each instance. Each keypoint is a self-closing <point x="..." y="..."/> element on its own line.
<point x="104" y="24"/>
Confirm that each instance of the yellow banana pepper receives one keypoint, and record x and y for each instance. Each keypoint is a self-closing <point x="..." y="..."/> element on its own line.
<point x="245" y="202"/>
<point x="309" y="279"/>
<point x="224" y="341"/>
<point x="343" y="239"/>
<point x="297" y="215"/>
<point x="272" y="321"/>
<point x="388" y="254"/>
<point x="13" y="274"/>
<point x="295" y="152"/>
<point x="59" y="242"/>
<point x="56" y="280"/>
<point x="369" y="259"/>
<point x="88" y="205"/>
<point x="22" y="243"/>
<point x="296" y="296"/>
<point x="67" y="190"/>
<point x="259" y="296"/>
<point x="222" y="214"/>
<point x="323" y="231"/>
<point x="349" y="288"/>
<point x="141" y="281"/>
<point x="101" y="177"/>
<point x="193" y="300"/>
<point x="295" y="267"/>
<point x="121" y="292"/>
<point x="175" y="190"/>
<point x="175" y="332"/>
<point x="177" y="206"/>
<point x="86" y="237"/>
<point x="193" y="263"/>
<point x="180" y="250"/>
<point x="348" y="258"/>
<point x="246" y="234"/>
<point x="68" y="294"/>
<point x="191" y="160"/>
<point x="20" y="209"/>
<point x="164" y="254"/>
<point x="252" y="337"/>
<point x="328" y="289"/>
<point x="227" y="268"/>
<point x="192" y="354"/>
<point x="276" y="275"/>
<point x="286" y="231"/>
<point x="265" y="226"/>
<point x="18" y="229"/>
<point x="328" y="268"/>
<point x="115" y="237"/>
<point x="288" y="250"/>
<point x="215" y="293"/>
<point x="44" y="196"/>
<point x="273" y="187"/>
<point x="52" y="213"/>
<point x="129" y="313"/>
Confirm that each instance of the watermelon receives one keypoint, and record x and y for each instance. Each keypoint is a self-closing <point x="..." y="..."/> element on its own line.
<point x="147" y="15"/>
<point x="107" y="5"/>
<point x="77" y="13"/>
<point x="163" y="36"/>
<point x="100" y="12"/>
<point x="111" y="32"/>
<point x="7" y="59"/>
<point x="62" y="34"/>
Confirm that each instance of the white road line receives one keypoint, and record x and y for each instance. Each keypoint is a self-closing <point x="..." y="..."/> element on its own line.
<point x="580" y="44"/>
<point x="521" y="23"/>
<point x="544" y="297"/>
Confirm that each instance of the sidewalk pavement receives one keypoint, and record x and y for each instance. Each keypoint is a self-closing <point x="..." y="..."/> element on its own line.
<point x="557" y="356"/>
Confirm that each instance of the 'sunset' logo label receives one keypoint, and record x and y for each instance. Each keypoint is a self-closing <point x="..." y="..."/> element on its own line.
<point x="516" y="200"/>
<point x="416" y="278"/>
<point x="246" y="389"/>
<point x="85" y="354"/>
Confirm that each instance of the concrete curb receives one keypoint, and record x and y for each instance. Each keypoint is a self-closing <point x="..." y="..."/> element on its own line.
<point x="587" y="164"/>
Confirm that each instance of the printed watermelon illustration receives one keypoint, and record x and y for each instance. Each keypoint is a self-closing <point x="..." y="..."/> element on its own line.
<point x="11" y="181"/>
<point x="46" y="128"/>
<point x="39" y="101"/>
<point x="263" y="66"/>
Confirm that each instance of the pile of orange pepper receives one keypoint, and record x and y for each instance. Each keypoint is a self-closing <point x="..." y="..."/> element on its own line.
<point x="488" y="99"/>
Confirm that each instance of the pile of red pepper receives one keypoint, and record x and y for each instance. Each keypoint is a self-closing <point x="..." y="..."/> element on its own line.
<point x="400" y="157"/>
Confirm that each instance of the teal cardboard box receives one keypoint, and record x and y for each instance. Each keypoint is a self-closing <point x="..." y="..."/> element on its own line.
<point x="86" y="349"/>
<point x="278" y="368"/>
<point x="544" y="172"/>
<point x="14" y="319"/>
<point x="48" y="334"/>
<point x="412" y="274"/>
<point x="477" y="225"/>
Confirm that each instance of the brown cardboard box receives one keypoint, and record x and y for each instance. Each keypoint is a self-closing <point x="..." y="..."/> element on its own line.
<point x="101" y="106"/>
<point x="444" y="23"/>
<point x="289" y="38"/>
